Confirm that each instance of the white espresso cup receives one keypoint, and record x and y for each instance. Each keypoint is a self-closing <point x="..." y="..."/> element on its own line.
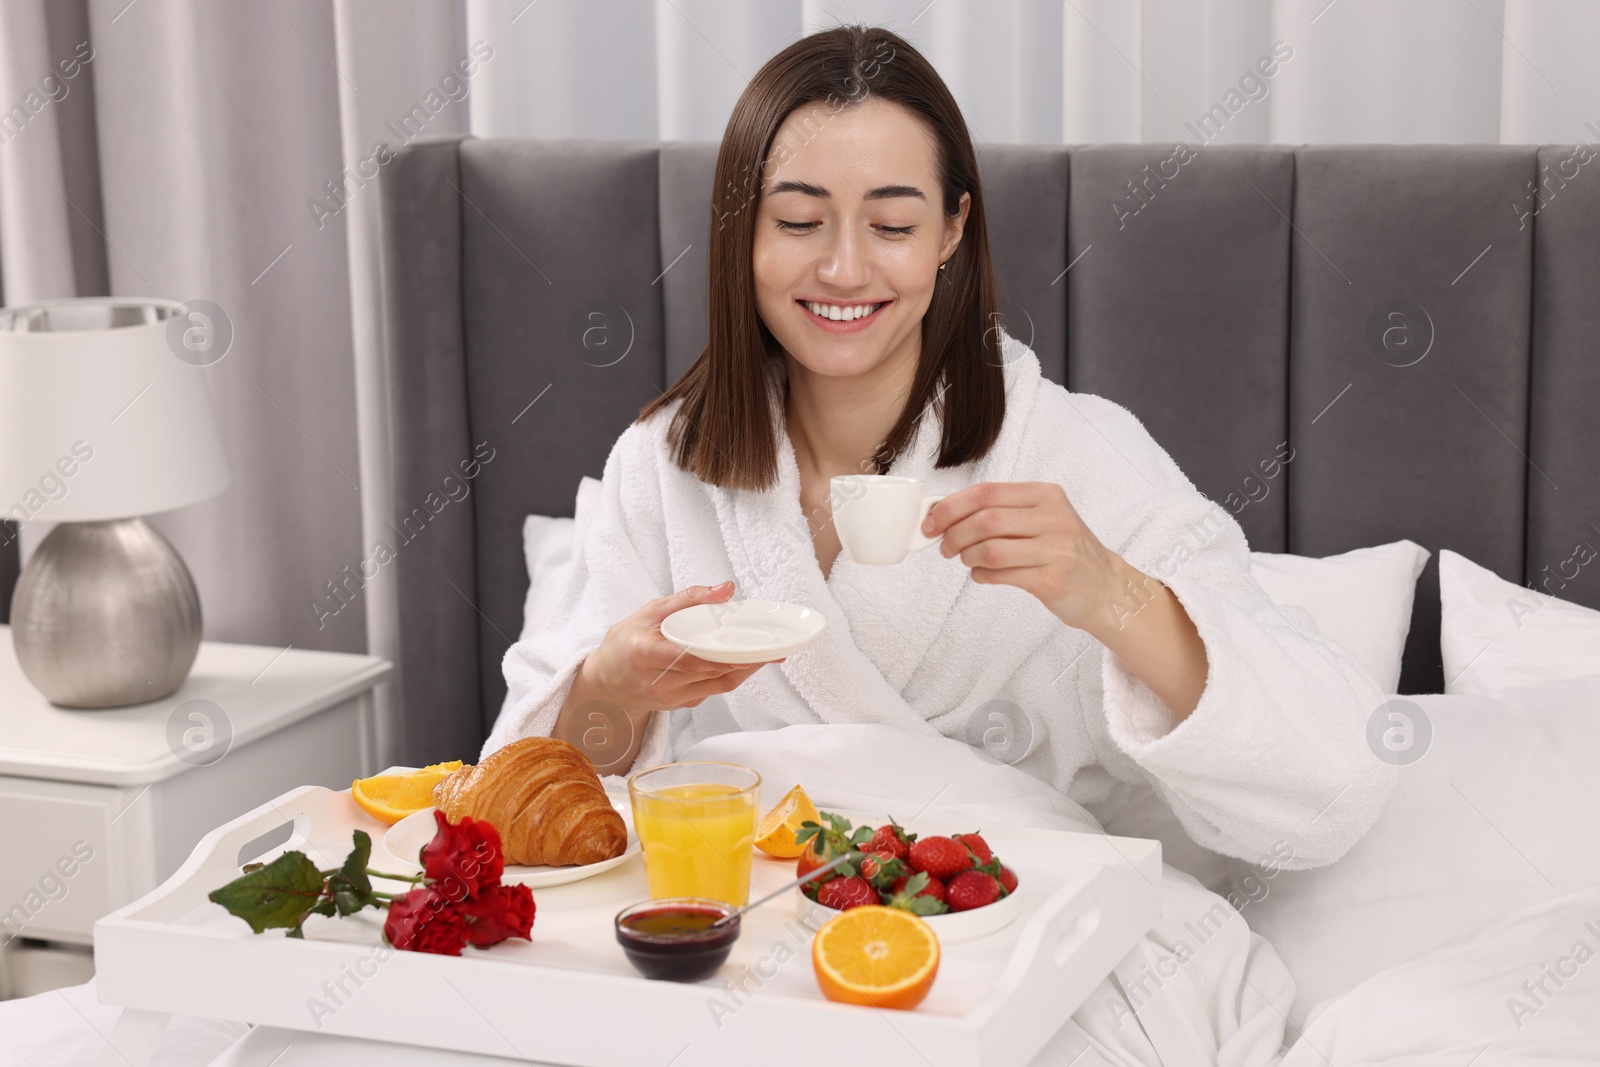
<point x="879" y="516"/>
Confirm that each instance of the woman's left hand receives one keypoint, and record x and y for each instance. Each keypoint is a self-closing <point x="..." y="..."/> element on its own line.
<point x="1029" y="535"/>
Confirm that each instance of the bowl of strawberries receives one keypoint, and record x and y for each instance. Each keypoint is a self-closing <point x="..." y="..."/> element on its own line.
<point x="955" y="882"/>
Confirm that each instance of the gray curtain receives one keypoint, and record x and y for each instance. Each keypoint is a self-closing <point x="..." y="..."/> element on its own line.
<point x="230" y="152"/>
<point x="48" y="163"/>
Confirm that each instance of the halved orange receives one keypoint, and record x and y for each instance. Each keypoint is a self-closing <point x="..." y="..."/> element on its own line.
<point x="877" y="956"/>
<point x="391" y="797"/>
<point x="775" y="833"/>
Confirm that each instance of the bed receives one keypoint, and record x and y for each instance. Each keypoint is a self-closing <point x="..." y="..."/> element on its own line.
<point x="1414" y="325"/>
<point x="1417" y="324"/>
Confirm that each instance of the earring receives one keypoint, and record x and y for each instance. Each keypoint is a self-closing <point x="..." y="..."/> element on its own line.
<point x="941" y="266"/>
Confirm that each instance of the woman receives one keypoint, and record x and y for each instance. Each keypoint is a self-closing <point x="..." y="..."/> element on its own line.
<point x="1109" y="628"/>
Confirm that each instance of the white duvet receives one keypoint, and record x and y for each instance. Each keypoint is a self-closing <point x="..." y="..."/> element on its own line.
<point x="1522" y="990"/>
<point x="1232" y="987"/>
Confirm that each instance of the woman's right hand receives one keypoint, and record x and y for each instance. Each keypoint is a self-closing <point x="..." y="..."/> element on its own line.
<point x="640" y="671"/>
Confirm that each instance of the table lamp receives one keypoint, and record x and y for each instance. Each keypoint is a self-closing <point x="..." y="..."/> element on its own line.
<point x="105" y="417"/>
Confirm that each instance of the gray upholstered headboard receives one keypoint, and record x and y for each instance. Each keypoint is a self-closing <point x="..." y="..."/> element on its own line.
<point x="1419" y="324"/>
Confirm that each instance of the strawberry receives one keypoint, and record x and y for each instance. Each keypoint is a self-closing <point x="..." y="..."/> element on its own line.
<point x="881" y="868"/>
<point x="980" y="848"/>
<point x="918" y="895"/>
<point x="891" y="837"/>
<point x="824" y="843"/>
<point x="1000" y="873"/>
<point x="931" y="887"/>
<point x="971" y="889"/>
<point x="842" y="894"/>
<point x="809" y="861"/>
<point x="941" y="857"/>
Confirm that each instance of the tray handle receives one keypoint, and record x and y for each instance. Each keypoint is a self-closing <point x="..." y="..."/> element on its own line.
<point x="215" y="859"/>
<point x="1051" y="946"/>
<point x="1061" y="926"/>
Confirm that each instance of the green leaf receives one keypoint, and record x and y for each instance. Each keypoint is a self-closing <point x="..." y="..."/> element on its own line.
<point x="909" y="898"/>
<point x="348" y="903"/>
<point x="350" y="886"/>
<point x="275" y="896"/>
<point x="888" y="871"/>
<point x="908" y="838"/>
<point x="355" y="864"/>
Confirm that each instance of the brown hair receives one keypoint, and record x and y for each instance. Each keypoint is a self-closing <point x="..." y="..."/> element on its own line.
<point x="724" y="431"/>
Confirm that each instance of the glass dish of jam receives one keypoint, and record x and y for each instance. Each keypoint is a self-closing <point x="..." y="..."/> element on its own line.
<point x="673" y="939"/>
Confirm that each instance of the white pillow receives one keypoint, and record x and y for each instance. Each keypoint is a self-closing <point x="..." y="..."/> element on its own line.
<point x="1360" y="599"/>
<point x="588" y="496"/>
<point x="1495" y="634"/>
<point x="1498" y="813"/>
<point x="547" y="549"/>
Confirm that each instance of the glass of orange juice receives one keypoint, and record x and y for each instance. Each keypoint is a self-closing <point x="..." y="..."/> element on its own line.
<point x="697" y="824"/>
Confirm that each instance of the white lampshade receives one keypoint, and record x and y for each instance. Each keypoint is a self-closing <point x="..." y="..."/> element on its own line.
<point x="104" y="412"/>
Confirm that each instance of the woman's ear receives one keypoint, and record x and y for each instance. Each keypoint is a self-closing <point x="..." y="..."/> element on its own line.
<point x="953" y="227"/>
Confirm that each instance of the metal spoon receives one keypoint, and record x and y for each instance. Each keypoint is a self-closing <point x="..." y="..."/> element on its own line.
<point x="809" y="876"/>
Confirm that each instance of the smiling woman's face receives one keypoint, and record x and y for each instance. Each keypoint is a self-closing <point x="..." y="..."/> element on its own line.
<point x="851" y="224"/>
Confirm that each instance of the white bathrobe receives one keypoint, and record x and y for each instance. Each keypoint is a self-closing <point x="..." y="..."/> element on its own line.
<point x="1272" y="762"/>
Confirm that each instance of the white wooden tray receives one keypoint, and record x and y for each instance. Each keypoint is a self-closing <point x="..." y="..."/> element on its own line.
<point x="569" y="996"/>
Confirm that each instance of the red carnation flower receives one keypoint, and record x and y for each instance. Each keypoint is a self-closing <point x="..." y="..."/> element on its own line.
<point x="465" y="858"/>
<point x="426" y="920"/>
<point x="502" y="911"/>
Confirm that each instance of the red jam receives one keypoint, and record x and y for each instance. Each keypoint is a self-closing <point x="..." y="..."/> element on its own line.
<point x="675" y="940"/>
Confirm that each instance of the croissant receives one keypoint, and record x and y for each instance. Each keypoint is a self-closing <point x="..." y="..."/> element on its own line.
<point x="544" y="798"/>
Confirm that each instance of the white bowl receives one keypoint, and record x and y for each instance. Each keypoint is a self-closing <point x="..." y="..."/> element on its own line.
<point x="743" y="631"/>
<point x="951" y="927"/>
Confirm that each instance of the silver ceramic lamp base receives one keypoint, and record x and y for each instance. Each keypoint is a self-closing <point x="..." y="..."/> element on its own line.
<point x="105" y="614"/>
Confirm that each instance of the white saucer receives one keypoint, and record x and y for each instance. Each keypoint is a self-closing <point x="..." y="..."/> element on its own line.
<point x="743" y="631"/>
<point x="407" y="838"/>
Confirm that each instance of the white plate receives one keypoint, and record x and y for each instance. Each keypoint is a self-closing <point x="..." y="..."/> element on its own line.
<point x="743" y="631"/>
<point x="407" y="838"/>
<point x="951" y="927"/>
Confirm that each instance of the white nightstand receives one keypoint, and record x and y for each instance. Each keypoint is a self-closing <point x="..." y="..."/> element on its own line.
<point x="99" y="807"/>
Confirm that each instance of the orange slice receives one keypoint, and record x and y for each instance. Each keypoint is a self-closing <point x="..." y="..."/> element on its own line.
<point x="391" y="797"/>
<point x="877" y="956"/>
<point x="775" y="833"/>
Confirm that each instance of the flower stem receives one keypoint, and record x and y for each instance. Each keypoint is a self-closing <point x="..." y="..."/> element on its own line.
<point x="377" y="874"/>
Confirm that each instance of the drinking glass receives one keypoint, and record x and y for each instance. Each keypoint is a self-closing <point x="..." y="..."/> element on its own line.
<point x="696" y="822"/>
